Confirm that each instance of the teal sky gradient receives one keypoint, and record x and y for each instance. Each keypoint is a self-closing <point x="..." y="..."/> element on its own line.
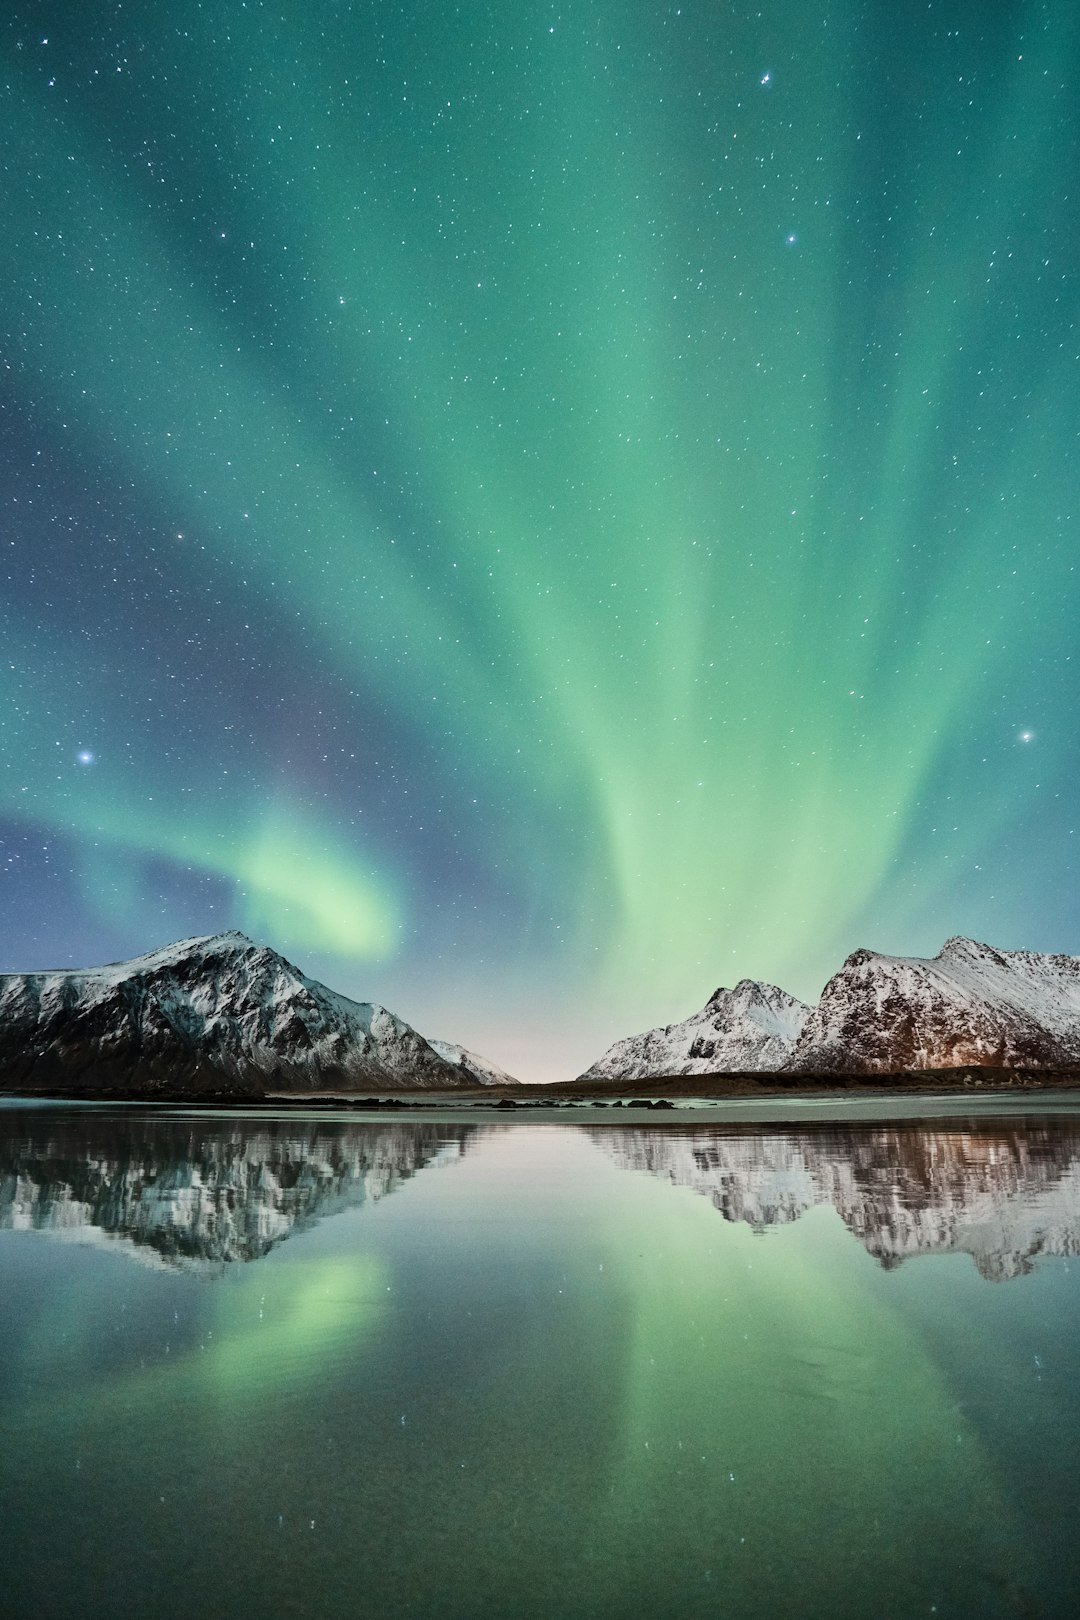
<point x="536" y="512"/>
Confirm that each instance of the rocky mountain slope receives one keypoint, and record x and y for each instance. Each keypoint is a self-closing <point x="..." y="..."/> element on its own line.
<point x="214" y="1014"/>
<point x="475" y="1070"/>
<point x="970" y="1004"/>
<point x="752" y="1027"/>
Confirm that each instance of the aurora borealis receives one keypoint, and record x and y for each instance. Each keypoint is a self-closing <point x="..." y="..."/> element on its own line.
<point x="534" y="511"/>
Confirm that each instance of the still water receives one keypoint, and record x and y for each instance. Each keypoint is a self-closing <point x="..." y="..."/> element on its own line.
<point x="450" y="1366"/>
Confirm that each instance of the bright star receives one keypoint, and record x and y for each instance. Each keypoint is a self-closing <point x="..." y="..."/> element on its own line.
<point x="85" y="757"/>
<point x="791" y="239"/>
<point x="766" y="78"/>
<point x="1027" y="736"/>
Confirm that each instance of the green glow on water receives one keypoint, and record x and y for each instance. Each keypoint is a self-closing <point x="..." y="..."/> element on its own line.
<point x="783" y="1404"/>
<point x="530" y="1383"/>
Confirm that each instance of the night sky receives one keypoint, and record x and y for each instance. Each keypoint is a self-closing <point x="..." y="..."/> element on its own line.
<point x="538" y="511"/>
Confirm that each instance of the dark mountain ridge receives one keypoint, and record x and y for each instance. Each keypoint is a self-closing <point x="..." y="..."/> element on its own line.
<point x="216" y="1015"/>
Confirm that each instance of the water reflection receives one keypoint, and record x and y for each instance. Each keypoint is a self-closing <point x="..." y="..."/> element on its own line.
<point x="199" y="1193"/>
<point x="1005" y="1191"/>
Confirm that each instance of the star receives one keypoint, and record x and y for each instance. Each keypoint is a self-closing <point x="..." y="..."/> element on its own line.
<point x="85" y="757"/>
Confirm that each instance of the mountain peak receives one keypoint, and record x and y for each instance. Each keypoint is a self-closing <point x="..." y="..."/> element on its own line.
<point x="182" y="950"/>
<point x="230" y="939"/>
<point x="745" y="993"/>
<point x="961" y="945"/>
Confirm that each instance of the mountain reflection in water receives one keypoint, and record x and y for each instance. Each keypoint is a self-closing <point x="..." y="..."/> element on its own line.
<point x="1005" y="1190"/>
<point x="199" y="1192"/>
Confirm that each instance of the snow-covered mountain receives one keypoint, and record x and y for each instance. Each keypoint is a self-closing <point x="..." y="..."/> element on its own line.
<point x="474" y="1070"/>
<point x="217" y="1013"/>
<point x="753" y="1027"/>
<point x="970" y="1004"/>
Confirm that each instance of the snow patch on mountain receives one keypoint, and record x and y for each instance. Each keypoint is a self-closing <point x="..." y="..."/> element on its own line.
<point x="474" y="1069"/>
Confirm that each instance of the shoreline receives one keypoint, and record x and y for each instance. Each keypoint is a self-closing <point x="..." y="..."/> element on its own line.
<point x="659" y="1094"/>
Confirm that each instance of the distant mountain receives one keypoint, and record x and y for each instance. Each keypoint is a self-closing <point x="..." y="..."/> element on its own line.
<point x="970" y="1004"/>
<point x="214" y="1014"/>
<point x="752" y="1027"/>
<point x="474" y="1070"/>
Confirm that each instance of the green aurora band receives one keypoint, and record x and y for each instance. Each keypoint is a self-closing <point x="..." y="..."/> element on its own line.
<point x="665" y="422"/>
